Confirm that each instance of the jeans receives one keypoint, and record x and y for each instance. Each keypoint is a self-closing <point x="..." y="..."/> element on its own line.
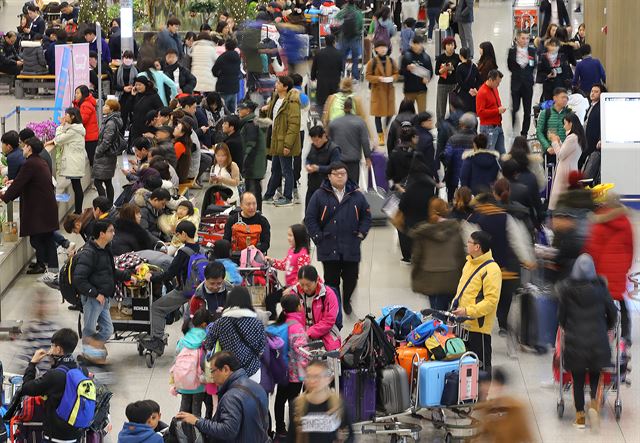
<point x="466" y="37"/>
<point x="378" y="121"/>
<point x="45" y="247"/>
<point x="285" y="393"/>
<point x="60" y="240"/>
<point x="280" y="167"/>
<point x="433" y="14"/>
<point x="353" y="46"/>
<point x="579" y="378"/>
<point x="163" y="306"/>
<point x="97" y="319"/>
<point x="230" y="101"/>
<point x="192" y="403"/>
<point x="495" y="137"/>
<point x="347" y="270"/>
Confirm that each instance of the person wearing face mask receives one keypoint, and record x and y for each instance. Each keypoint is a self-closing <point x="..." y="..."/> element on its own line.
<point x="381" y="73"/>
<point x="123" y="84"/>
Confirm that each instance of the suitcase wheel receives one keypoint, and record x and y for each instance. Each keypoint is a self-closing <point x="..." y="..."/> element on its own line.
<point x="618" y="409"/>
<point x="560" y="408"/>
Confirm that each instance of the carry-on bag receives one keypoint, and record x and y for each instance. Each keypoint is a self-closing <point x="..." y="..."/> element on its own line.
<point x="376" y="197"/>
<point x="431" y="380"/>
<point x="358" y="390"/>
<point x="538" y="318"/>
<point x="393" y="390"/>
<point x="405" y="355"/>
<point x="379" y="170"/>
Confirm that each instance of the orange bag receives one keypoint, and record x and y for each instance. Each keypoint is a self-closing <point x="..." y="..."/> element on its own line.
<point x="405" y="356"/>
<point x="244" y="235"/>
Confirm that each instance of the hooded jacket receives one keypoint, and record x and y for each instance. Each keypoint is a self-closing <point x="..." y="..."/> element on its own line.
<point x="242" y="413"/>
<point x="138" y="433"/>
<point x="227" y="69"/>
<point x="89" y="117"/>
<point x="338" y="227"/>
<point x="297" y="340"/>
<point x="286" y="124"/>
<point x="193" y="339"/>
<point x="324" y="308"/>
<point x="104" y="162"/>
<point x="586" y="312"/>
<point x="610" y="244"/>
<point x="437" y="258"/>
<point x="130" y="237"/>
<point x="72" y="155"/>
<point x="33" y="58"/>
<point x="142" y="104"/>
<point x="480" y="169"/>
<point x="95" y="272"/>
<point x="253" y="132"/>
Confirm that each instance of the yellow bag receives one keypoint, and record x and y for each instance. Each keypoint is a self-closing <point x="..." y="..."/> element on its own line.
<point x="207" y="373"/>
<point x="444" y="21"/>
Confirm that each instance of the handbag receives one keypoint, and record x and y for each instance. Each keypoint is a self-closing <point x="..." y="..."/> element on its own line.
<point x="444" y="20"/>
<point x="391" y="207"/>
<point x="456" y="91"/>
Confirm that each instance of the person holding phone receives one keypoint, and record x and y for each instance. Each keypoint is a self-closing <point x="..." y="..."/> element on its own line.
<point x="446" y="64"/>
<point x="225" y="172"/>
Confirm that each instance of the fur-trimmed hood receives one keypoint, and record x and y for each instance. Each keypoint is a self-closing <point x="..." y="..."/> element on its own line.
<point x="606" y="215"/>
<point x="474" y="152"/>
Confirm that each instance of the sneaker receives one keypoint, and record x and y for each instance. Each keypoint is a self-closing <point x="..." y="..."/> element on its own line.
<point x="154" y="344"/>
<point x="405" y="261"/>
<point x="580" y="422"/>
<point x="503" y="332"/>
<point x="430" y="40"/>
<point x="346" y="307"/>
<point x="48" y="278"/>
<point x="296" y="197"/>
<point x="268" y="201"/>
<point x="282" y="202"/>
<point x="37" y="269"/>
<point x="594" y="416"/>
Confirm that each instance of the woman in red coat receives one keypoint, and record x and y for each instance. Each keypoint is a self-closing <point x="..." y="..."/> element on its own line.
<point x="86" y="103"/>
<point x="610" y="243"/>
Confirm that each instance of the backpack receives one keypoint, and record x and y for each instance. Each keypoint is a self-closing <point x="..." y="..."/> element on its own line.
<point x="244" y="235"/>
<point x="400" y="319"/>
<point x="367" y="346"/>
<point x="186" y="370"/>
<point x="252" y="258"/>
<point x="78" y="403"/>
<point x="337" y="105"/>
<point x="444" y="346"/>
<point x="195" y="271"/>
<point x="382" y="34"/>
<point x="419" y="335"/>
<point x="274" y="362"/>
<point x="183" y="432"/>
<point x="281" y="331"/>
<point x="349" y="24"/>
<point x="65" y="279"/>
<point x="207" y="374"/>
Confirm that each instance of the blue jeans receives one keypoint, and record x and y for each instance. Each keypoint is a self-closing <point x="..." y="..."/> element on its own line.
<point x="281" y="167"/>
<point x="230" y="101"/>
<point x="433" y="14"/>
<point x="98" y="315"/>
<point x="353" y="46"/>
<point x="495" y="137"/>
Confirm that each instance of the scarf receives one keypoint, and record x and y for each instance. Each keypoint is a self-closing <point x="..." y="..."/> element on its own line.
<point x="133" y="73"/>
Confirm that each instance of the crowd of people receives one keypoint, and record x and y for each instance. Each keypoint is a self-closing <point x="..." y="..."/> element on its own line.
<point x="214" y="110"/>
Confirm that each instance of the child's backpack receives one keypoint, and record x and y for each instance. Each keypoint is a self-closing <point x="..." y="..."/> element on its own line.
<point x="275" y="367"/>
<point x="186" y="370"/>
<point x="183" y="432"/>
<point x="400" y="319"/>
<point x="252" y="258"/>
<point x="444" y="346"/>
<point x="244" y="235"/>
<point x="78" y="404"/>
<point x="281" y="331"/>
<point x="195" y="271"/>
<point x="419" y="335"/>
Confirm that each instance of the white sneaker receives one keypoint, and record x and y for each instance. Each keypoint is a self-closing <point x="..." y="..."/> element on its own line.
<point x="48" y="278"/>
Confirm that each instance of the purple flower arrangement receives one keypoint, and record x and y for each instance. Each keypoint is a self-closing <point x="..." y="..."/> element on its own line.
<point x="44" y="130"/>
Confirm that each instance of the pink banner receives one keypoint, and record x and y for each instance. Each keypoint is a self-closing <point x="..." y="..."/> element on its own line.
<point x="77" y="71"/>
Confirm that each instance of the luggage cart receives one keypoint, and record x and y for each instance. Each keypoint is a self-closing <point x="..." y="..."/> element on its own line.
<point x="610" y="378"/>
<point x="260" y="281"/>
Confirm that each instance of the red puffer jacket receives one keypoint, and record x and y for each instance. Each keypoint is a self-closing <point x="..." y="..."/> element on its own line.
<point x="610" y="243"/>
<point x="89" y="118"/>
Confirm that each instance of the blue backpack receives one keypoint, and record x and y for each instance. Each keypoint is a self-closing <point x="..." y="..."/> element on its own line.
<point x="281" y="331"/>
<point x="195" y="271"/>
<point x="419" y="335"/>
<point x="78" y="403"/>
<point x="400" y="319"/>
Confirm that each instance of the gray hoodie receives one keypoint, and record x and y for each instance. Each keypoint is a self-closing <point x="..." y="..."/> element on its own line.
<point x="583" y="268"/>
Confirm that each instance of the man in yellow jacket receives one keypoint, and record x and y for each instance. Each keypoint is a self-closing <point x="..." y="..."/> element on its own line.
<point x="477" y="296"/>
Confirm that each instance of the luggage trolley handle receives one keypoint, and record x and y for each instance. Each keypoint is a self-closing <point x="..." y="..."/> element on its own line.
<point x="314" y="350"/>
<point x="445" y="316"/>
<point x="461" y="364"/>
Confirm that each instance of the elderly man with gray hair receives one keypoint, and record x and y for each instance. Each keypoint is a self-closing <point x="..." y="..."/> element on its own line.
<point x="459" y="142"/>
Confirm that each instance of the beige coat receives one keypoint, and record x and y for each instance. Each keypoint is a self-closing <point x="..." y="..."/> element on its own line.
<point x="383" y="103"/>
<point x="203" y="57"/>
<point x="71" y="158"/>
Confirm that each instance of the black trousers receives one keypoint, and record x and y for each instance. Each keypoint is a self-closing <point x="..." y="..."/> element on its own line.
<point x="353" y="171"/>
<point x="480" y="344"/>
<point x="192" y="403"/>
<point x="524" y="94"/>
<point x="625" y="320"/>
<point x="579" y="378"/>
<point x="104" y="187"/>
<point x="90" y="147"/>
<point x="78" y="194"/>
<point x="406" y="245"/>
<point x="334" y="270"/>
<point x="285" y="393"/>
<point x="506" y="296"/>
<point x="254" y="185"/>
<point x="45" y="247"/>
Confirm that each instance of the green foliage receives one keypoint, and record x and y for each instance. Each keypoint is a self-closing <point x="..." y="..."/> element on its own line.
<point x="90" y="13"/>
<point x="205" y="7"/>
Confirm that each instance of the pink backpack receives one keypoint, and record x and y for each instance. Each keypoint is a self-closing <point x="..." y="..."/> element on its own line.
<point x="186" y="370"/>
<point x="252" y="258"/>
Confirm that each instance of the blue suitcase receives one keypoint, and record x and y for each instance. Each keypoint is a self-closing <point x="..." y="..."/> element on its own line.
<point x="431" y="380"/>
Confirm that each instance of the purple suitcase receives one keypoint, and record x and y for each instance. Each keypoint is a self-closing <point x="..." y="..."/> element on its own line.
<point x="358" y="389"/>
<point x="379" y="163"/>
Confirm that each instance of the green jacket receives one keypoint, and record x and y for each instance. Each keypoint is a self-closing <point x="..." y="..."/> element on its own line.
<point x="254" y="142"/>
<point x="555" y="123"/>
<point x="286" y="125"/>
<point x="359" y="16"/>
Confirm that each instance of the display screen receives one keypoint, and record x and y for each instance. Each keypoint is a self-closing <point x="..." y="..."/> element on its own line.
<point x="620" y="119"/>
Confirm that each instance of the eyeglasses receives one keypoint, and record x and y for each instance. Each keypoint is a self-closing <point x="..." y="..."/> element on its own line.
<point x="111" y="231"/>
<point x="338" y="174"/>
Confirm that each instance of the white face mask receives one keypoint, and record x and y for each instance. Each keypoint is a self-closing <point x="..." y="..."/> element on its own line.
<point x="127" y="61"/>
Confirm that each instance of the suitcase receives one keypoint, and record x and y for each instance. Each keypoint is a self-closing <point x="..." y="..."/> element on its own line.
<point x="431" y="379"/>
<point x="379" y="165"/>
<point x="393" y="390"/>
<point x="405" y="354"/>
<point x="461" y="386"/>
<point x="538" y="318"/>
<point x="376" y="197"/>
<point x="358" y="391"/>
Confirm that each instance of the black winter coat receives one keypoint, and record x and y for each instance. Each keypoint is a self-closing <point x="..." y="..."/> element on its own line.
<point x="414" y="202"/>
<point x="186" y="80"/>
<point x="142" y="104"/>
<point x="399" y="164"/>
<point x="95" y="272"/>
<point x="227" y="70"/>
<point x="130" y="237"/>
<point x="586" y="312"/>
<point x="326" y="69"/>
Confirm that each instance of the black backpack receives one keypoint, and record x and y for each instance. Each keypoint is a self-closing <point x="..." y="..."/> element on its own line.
<point x="349" y="24"/>
<point x="65" y="279"/>
<point x="367" y="346"/>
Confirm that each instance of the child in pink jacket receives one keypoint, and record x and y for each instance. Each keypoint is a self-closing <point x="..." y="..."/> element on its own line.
<point x="293" y="314"/>
<point x="297" y="256"/>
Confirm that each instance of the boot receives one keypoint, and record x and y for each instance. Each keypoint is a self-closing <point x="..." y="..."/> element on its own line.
<point x="380" y="139"/>
<point x="580" y="422"/>
<point x="594" y="415"/>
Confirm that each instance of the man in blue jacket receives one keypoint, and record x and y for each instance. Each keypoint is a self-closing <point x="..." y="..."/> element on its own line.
<point x="243" y="407"/>
<point x="91" y="38"/>
<point x="338" y="218"/>
<point x="169" y="38"/>
<point x="589" y="71"/>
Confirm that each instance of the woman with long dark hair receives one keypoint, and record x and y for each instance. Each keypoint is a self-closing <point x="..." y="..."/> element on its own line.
<point x="297" y="256"/>
<point x="487" y="60"/>
<point x="86" y="103"/>
<point x="468" y="80"/>
<point x="225" y="172"/>
<point x="182" y="146"/>
<point x="567" y="155"/>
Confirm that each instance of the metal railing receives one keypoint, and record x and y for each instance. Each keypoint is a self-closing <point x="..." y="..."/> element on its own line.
<point x="17" y="112"/>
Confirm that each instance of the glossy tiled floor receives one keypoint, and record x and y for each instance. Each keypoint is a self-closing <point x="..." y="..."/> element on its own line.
<point x="383" y="280"/>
